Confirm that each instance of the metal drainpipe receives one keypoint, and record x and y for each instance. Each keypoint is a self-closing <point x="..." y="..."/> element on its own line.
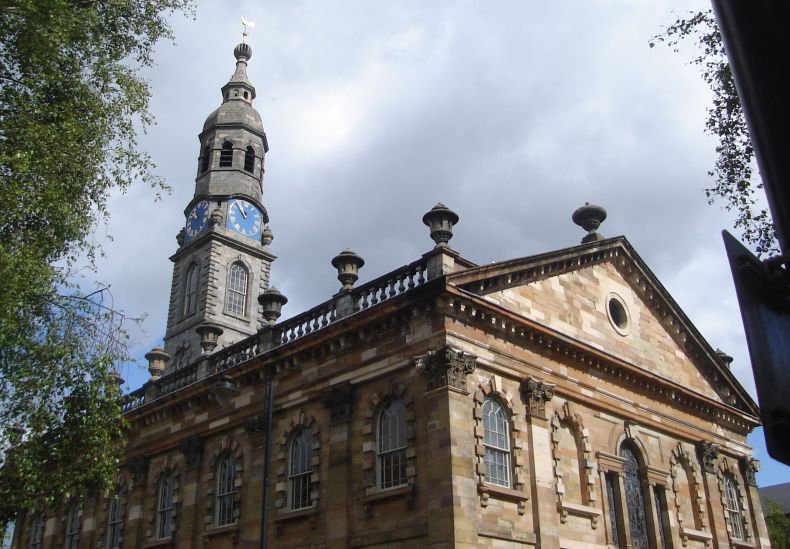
<point x="266" y="457"/>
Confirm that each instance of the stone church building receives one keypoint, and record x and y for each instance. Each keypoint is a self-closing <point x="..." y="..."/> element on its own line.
<point x="558" y="400"/>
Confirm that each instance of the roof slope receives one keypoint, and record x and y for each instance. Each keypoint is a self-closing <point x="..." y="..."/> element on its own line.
<point x="569" y="290"/>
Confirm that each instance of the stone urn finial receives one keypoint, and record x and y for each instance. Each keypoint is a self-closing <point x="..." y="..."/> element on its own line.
<point x="589" y="217"/>
<point x="348" y="265"/>
<point x="216" y="218"/>
<point x="180" y="237"/>
<point x="440" y="219"/>
<point x="156" y="357"/>
<point x="209" y="336"/>
<point x="725" y="358"/>
<point x="272" y="302"/>
<point x="267" y="236"/>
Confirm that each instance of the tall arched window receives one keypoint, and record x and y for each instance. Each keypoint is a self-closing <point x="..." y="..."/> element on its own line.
<point x="732" y="509"/>
<point x="205" y="158"/>
<point x="226" y="155"/>
<point x="72" y="526"/>
<point x="236" y="300"/>
<point x="300" y="469"/>
<point x="37" y="532"/>
<point x="249" y="159"/>
<point x="496" y="440"/>
<point x="226" y="490"/>
<point x="191" y="289"/>
<point x="115" y="520"/>
<point x="391" y="445"/>
<point x="165" y="507"/>
<point x="634" y="497"/>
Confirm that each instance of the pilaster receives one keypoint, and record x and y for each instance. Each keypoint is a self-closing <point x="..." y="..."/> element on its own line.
<point x="750" y="467"/>
<point x="547" y="522"/>
<point x="452" y="489"/>
<point x="339" y="400"/>
<point x="192" y="448"/>
<point x="708" y="456"/>
<point x="134" y="528"/>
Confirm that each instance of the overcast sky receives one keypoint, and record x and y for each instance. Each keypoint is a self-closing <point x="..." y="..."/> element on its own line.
<point x="513" y="114"/>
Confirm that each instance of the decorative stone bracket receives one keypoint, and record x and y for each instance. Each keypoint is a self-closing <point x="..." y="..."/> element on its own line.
<point x="340" y="401"/>
<point x="537" y="394"/>
<point x="708" y="455"/>
<point x="139" y="468"/>
<point x="193" y="451"/>
<point x="446" y="367"/>
<point x="750" y="468"/>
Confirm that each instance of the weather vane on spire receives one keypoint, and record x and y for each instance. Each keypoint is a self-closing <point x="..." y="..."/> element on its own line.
<point x="247" y="25"/>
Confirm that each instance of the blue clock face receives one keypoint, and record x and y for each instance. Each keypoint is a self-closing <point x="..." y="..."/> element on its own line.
<point x="197" y="218"/>
<point x="244" y="218"/>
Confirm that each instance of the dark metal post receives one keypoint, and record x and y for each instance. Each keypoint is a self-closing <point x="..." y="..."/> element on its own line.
<point x="266" y="459"/>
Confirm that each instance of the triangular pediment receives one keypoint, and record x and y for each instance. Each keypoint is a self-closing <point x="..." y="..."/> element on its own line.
<point x="603" y="295"/>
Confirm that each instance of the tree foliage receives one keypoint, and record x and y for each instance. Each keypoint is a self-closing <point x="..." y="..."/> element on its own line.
<point x="778" y="525"/>
<point x="71" y="98"/>
<point x="736" y="182"/>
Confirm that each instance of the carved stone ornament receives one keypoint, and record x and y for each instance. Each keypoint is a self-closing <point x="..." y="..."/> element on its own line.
<point x="446" y="367"/>
<point x="340" y="401"/>
<point x="750" y="468"/>
<point x="139" y="468"/>
<point x="708" y="454"/>
<point x="537" y="394"/>
<point x="193" y="451"/>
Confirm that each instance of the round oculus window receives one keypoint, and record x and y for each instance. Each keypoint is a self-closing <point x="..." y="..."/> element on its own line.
<point x="618" y="313"/>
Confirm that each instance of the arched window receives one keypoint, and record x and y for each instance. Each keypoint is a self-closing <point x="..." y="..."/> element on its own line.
<point x="237" y="289"/>
<point x="191" y="289"/>
<point x="115" y="520"/>
<point x="37" y="532"/>
<point x="165" y="507"/>
<point x="300" y="469"/>
<point x="732" y="509"/>
<point x="72" y="526"/>
<point x="634" y="497"/>
<point x="226" y="155"/>
<point x="205" y="159"/>
<point x="249" y="159"/>
<point x="226" y="490"/>
<point x="391" y="445"/>
<point x="496" y="440"/>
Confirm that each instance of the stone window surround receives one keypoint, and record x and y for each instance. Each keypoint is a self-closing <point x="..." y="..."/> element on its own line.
<point x="39" y="517"/>
<point x="681" y="457"/>
<point x="121" y="489"/>
<point x="193" y="268"/>
<point x="250" y="276"/>
<point x="373" y="406"/>
<point x="568" y="417"/>
<point x="73" y="504"/>
<point x="613" y="463"/>
<point x="726" y="468"/>
<point x="486" y="490"/>
<point x="169" y="467"/>
<point x="226" y="445"/>
<point x="297" y="422"/>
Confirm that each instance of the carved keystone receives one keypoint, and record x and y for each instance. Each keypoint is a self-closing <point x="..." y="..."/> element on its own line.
<point x="340" y="400"/>
<point x="537" y="393"/>
<point x="446" y="367"/>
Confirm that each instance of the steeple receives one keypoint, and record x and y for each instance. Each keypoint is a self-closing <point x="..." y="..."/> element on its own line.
<point x="223" y="257"/>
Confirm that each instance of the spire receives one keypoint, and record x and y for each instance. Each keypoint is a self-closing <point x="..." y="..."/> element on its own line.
<point x="239" y="83"/>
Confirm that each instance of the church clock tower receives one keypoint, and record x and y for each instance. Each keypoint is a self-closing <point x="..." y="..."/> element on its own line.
<point x="223" y="258"/>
